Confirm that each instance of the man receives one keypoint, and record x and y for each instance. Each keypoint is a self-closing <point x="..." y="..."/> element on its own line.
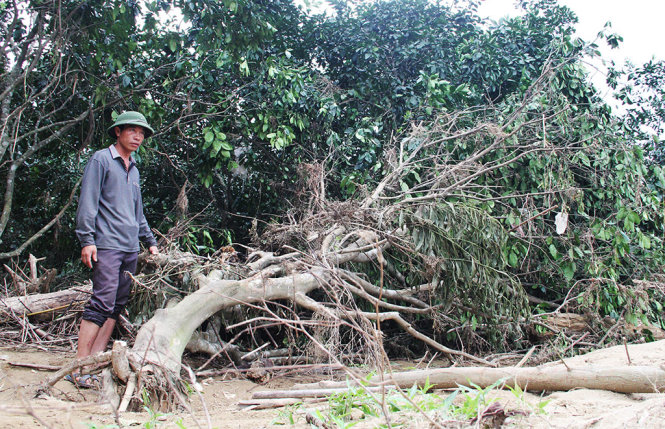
<point x="109" y="225"/>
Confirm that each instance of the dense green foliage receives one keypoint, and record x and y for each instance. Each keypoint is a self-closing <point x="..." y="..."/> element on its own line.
<point x="249" y="95"/>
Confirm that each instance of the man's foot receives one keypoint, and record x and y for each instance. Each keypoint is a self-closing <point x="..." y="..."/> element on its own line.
<point x="85" y="381"/>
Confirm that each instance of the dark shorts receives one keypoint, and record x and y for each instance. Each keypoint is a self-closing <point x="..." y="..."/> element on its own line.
<point x="110" y="285"/>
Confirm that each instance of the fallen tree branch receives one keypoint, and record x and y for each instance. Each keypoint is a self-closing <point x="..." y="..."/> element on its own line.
<point x="309" y="303"/>
<point x="310" y="366"/>
<point x="264" y="404"/>
<point x="526" y="357"/>
<point x="101" y="359"/>
<point x="310" y="393"/>
<point x="633" y="379"/>
<point x="35" y="366"/>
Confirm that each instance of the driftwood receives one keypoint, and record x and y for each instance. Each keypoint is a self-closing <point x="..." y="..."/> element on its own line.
<point x="40" y="303"/>
<point x="627" y="379"/>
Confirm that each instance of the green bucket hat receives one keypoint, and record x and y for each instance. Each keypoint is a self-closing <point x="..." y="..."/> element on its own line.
<point x="131" y="118"/>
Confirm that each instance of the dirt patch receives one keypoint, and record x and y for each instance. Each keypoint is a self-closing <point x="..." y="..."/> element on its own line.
<point x="68" y="407"/>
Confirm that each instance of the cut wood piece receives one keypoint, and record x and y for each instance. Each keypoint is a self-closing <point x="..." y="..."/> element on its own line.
<point x="129" y="391"/>
<point x="119" y="361"/>
<point x="39" y="303"/>
<point x="627" y="379"/>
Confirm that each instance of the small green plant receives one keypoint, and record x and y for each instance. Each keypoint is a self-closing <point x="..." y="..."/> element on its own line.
<point x="341" y="405"/>
<point x="287" y="415"/>
<point x="198" y="240"/>
<point x="416" y="399"/>
<point x="476" y="399"/>
<point x="153" y="414"/>
<point x="180" y="424"/>
<point x="539" y="408"/>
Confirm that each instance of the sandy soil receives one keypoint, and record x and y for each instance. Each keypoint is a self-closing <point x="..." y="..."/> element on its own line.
<point x="68" y="407"/>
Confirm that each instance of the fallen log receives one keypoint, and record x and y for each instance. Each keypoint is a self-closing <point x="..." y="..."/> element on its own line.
<point x="40" y="303"/>
<point x="311" y="393"/>
<point x="630" y="379"/>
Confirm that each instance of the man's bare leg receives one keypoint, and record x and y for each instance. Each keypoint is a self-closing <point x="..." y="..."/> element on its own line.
<point x="92" y="339"/>
<point x="103" y="336"/>
<point x="88" y="333"/>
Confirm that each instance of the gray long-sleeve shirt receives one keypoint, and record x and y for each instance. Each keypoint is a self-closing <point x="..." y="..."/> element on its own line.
<point x="110" y="211"/>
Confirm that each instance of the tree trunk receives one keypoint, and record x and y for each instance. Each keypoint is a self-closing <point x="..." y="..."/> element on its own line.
<point x="163" y="338"/>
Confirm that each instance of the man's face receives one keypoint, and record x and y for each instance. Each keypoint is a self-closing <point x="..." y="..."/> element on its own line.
<point x="130" y="137"/>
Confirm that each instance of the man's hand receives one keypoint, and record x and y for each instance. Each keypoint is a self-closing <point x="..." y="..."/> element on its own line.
<point x="153" y="250"/>
<point x="89" y="254"/>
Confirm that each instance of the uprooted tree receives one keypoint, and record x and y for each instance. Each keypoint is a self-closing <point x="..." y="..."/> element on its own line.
<point x="432" y="238"/>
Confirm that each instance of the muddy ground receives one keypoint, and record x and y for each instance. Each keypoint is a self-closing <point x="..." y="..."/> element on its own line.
<point x="68" y="407"/>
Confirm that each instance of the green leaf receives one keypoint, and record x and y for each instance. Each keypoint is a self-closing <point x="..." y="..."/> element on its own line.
<point x="209" y="136"/>
<point x="568" y="270"/>
<point x="512" y="259"/>
<point x="634" y="217"/>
